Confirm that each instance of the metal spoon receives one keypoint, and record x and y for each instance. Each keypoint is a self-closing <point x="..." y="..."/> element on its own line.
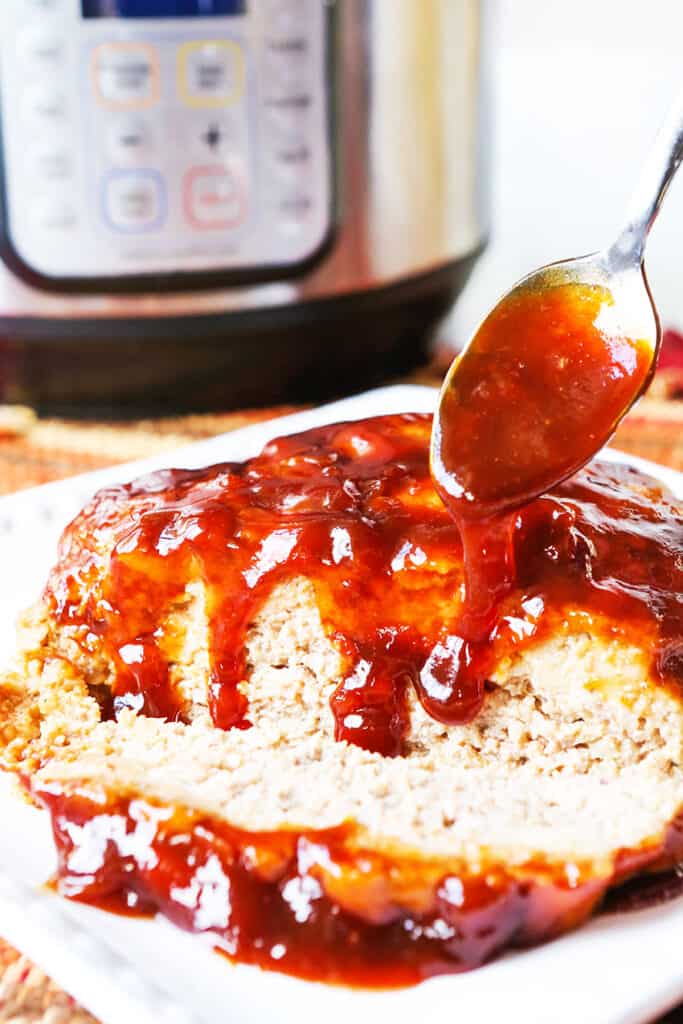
<point x="630" y="312"/>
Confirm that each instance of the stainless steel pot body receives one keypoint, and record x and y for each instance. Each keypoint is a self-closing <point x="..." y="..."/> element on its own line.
<point x="396" y="177"/>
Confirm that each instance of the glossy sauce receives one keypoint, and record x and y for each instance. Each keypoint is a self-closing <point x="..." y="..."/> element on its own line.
<point x="264" y="896"/>
<point x="352" y="508"/>
<point x="539" y="389"/>
<point x="537" y="392"/>
<point x="644" y="892"/>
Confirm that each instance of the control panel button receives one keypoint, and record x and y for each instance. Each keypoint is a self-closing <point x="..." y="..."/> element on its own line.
<point x="40" y="47"/>
<point x="214" y="136"/>
<point x="287" y="122"/>
<point x="214" y="197"/>
<point x="296" y="46"/>
<point x="290" y="162"/>
<point x="125" y="75"/>
<point x="129" y="140"/>
<point x="292" y="212"/>
<point x="285" y="17"/>
<point x="55" y="215"/>
<point x="210" y="73"/>
<point x="50" y="162"/>
<point x="285" y="72"/>
<point x="44" y="103"/>
<point x="134" y="200"/>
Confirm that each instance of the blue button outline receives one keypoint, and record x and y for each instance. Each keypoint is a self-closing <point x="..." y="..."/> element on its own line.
<point x="141" y="172"/>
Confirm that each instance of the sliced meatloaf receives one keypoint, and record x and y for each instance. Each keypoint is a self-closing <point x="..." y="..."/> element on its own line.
<point x="244" y="700"/>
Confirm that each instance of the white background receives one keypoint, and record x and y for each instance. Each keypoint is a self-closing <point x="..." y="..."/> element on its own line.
<point x="580" y="88"/>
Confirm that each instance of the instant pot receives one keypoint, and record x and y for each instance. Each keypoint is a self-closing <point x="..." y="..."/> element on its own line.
<point x="229" y="202"/>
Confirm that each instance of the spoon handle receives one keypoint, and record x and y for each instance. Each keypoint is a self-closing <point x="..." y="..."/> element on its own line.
<point x="656" y="176"/>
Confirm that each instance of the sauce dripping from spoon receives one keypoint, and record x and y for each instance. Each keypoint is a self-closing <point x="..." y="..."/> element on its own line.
<point x="542" y="385"/>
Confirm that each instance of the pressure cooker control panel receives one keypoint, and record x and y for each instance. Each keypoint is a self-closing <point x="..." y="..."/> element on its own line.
<point x="164" y="136"/>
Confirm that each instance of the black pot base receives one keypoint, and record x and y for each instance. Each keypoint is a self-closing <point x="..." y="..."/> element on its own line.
<point x="309" y="352"/>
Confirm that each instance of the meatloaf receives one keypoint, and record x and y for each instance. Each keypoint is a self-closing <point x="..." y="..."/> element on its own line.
<point x="245" y="702"/>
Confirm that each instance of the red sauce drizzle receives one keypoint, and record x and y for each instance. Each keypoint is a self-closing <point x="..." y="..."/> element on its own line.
<point x="351" y="507"/>
<point x="264" y="895"/>
<point x="276" y="899"/>
<point x="539" y="389"/>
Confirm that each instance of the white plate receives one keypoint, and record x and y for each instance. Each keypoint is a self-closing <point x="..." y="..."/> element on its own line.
<point x="623" y="969"/>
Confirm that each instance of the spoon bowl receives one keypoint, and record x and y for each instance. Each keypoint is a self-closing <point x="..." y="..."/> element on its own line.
<point x="543" y="384"/>
<point x="555" y="366"/>
<point x="633" y="314"/>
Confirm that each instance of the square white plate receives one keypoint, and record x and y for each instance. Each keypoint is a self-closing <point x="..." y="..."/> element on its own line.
<point x="621" y="969"/>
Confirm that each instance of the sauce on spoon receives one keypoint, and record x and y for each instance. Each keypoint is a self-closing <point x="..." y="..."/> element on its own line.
<point x="541" y="387"/>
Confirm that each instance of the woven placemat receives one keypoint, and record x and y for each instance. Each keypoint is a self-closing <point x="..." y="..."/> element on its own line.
<point x="35" y="451"/>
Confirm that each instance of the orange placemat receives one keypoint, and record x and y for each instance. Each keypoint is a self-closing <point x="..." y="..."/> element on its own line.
<point x="45" y="450"/>
<point x="35" y="451"/>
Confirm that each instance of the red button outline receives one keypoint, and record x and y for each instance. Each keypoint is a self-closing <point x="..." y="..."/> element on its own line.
<point x="203" y="171"/>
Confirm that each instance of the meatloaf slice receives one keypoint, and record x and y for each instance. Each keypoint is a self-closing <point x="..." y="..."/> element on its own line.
<point x="295" y="840"/>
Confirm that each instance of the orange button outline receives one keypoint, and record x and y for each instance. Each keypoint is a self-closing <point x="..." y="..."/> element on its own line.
<point x="212" y="169"/>
<point x="155" y="78"/>
<point x="192" y="99"/>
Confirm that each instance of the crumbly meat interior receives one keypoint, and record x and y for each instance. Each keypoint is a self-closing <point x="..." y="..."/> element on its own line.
<point x="566" y="776"/>
<point x="575" y="755"/>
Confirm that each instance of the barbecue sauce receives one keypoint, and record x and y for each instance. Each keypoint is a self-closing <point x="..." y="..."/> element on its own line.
<point x="537" y="392"/>
<point x="418" y="597"/>
<point x="539" y="389"/>
<point x="280" y="900"/>
<point x="352" y="508"/>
